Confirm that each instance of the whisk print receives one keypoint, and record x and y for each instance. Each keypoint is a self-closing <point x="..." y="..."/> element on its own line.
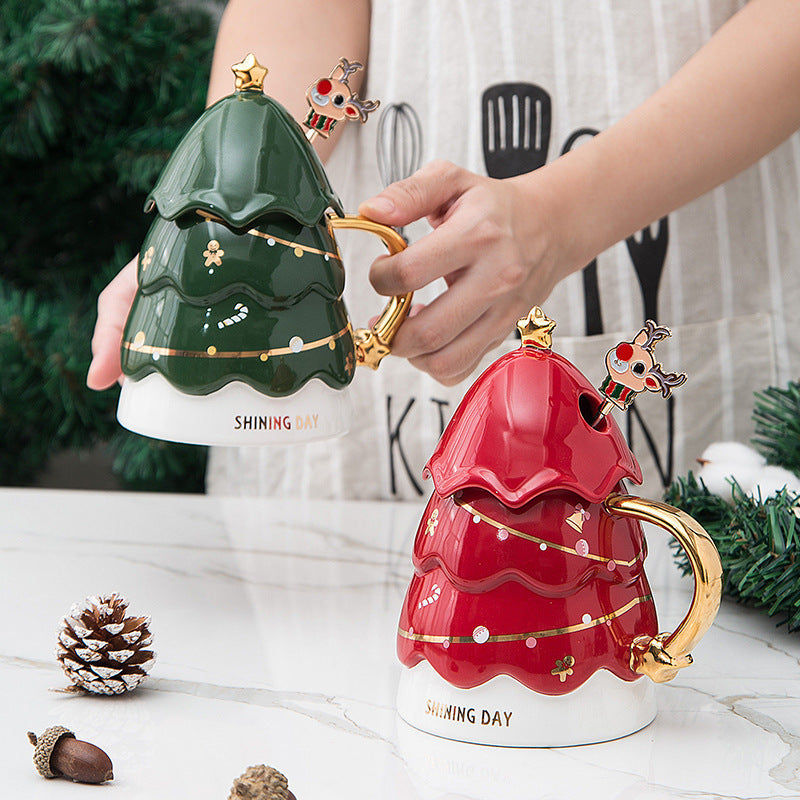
<point x="399" y="144"/>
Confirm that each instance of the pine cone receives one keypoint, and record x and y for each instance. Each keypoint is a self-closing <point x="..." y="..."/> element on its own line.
<point x="261" y="783"/>
<point x="103" y="651"/>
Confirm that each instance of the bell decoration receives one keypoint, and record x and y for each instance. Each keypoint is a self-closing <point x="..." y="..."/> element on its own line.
<point x="101" y="649"/>
<point x="529" y="620"/>
<point x="238" y="333"/>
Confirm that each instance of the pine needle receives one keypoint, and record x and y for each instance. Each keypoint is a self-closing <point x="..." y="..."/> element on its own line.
<point x="758" y="540"/>
<point x="93" y="98"/>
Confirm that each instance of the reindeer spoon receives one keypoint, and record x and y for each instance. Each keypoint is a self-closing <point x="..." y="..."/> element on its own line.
<point x="632" y="368"/>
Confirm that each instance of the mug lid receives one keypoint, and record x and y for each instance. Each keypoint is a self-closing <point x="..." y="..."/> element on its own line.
<point x="524" y="428"/>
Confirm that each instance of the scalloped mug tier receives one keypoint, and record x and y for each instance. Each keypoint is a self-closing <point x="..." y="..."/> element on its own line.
<point x="238" y="333"/>
<point x="529" y="620"/>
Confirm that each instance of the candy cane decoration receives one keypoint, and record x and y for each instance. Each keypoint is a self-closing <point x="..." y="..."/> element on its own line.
<point x="241" y="310"/>
<point x="432" y="598"/>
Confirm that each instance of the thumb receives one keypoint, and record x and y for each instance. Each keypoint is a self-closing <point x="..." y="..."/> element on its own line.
<point x="425" y="193"/>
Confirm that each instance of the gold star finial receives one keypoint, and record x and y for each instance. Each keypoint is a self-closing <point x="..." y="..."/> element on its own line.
<point x="249" y="73"/>
<point x="536" y="329"/>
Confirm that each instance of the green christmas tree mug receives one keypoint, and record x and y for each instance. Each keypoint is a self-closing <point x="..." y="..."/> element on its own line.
<point x="238" y="333"/>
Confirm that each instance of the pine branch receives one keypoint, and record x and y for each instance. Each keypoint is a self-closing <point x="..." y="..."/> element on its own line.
<point x="44" y="403"/>
<point x="72" y="37"/>
<point x="777" y="419"/>
<point x="758" y="543"/>
<point x="154" y="465"/>
<point x="95" y="117"/>
<point x="93" y="98"/>
<point x="758" y="540"/>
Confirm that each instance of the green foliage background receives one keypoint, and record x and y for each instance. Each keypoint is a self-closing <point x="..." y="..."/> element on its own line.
<point x="758" y="540"/>
<point x="94" y="95"/>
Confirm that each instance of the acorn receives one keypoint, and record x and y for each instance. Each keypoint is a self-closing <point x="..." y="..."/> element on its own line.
<point x="59" y="754"/>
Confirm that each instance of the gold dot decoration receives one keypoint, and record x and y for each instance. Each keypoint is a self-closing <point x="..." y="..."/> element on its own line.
<point x="263" y="356"/>
<point x="298" y="249"/>
<point x="332" y="344"/>
<point x="211" y="350"/>
<point x="147" y="258"/>
<point x="138" y="340"/>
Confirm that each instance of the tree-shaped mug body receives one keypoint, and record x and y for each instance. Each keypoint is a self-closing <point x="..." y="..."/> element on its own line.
<point x="238" y="333"/>
<point x="529" y="620"/>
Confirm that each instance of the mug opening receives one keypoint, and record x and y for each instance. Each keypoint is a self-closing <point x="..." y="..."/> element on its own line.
<point x="589" y="407"/>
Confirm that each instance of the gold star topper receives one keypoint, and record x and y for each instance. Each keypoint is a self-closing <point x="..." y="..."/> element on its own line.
<point x="249" y="73"/>
<point x="536" y="329"/>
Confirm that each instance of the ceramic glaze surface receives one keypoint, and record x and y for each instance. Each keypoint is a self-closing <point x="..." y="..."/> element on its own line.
<point x="552" y="546"/>
<point x="313" y="341"/>
<point x="519" y="431"/>
<point x="274" y="623"/>
<point x="519" y="570"/>
<point x="277" y="260"/>
<point x="548" y="594"/>
<point x="243" y="158"/>
<point x="240" y="278"/>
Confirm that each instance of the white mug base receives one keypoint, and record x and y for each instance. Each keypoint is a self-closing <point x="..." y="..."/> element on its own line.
<point x="234" y="415"/>
<point x="504" y="712"/>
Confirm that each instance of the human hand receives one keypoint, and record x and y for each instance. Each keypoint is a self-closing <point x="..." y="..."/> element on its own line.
<point x="113" y="306"/>
<point x="492" y="245"/>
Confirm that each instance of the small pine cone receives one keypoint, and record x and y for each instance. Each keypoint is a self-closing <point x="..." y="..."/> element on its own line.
<point x="261" y="783"/>
<point x="103" y="651"/>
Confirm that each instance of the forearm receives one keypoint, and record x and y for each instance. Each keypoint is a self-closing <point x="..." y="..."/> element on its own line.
<point x="732" y="103"/>
<point x="298" y="42"/>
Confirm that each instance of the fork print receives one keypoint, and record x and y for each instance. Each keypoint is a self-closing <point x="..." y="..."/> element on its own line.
<point x="649" y="254"/>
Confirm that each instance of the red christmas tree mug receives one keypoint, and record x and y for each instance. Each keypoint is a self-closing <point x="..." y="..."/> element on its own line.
<point x="238" y="333"/>
<point x="529" y="620"/>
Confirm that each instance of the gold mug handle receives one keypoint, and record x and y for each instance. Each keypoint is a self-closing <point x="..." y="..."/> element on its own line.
<point x="660" y="657"/>
<point x="372" y="344"/>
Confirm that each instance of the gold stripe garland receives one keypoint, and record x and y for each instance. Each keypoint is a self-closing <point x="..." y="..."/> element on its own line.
<point x="529" y="537"/>
<point x="138" y="346"/>
<point x="299" y="249"/>
<point x="518" y="637"/>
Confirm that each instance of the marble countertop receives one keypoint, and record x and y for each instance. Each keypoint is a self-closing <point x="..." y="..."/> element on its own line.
<point x="274" y="623"/>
